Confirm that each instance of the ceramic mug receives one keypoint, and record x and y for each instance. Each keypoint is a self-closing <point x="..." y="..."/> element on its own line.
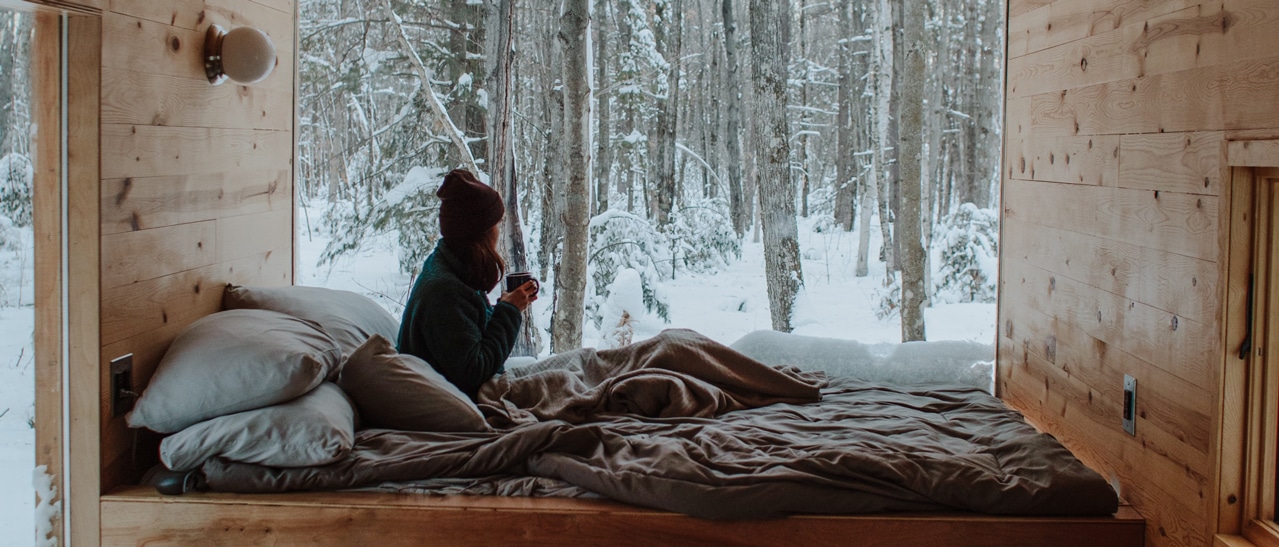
<point x="515" y="279"/>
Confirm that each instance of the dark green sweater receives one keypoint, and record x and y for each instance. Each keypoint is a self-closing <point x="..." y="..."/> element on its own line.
<point x="453" y="327"/>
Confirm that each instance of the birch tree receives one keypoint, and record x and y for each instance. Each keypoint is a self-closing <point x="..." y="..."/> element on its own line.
<point x="845" y="187"/>
<point x="732" y="101"/>
<point x="570" y="283"/>
<point x="911" y="144"/>
<point x="770" y="49"/>
<point x="886" y="129"/>
<point x="878" y="181"/>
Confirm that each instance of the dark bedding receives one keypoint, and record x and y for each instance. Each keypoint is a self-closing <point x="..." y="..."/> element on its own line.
<point x="682" y="423"/>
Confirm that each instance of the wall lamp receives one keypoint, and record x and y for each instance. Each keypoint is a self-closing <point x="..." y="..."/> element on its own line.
<point x="244" y="54"/>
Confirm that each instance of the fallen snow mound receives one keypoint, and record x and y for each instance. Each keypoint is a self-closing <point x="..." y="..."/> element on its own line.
<point x="942" y="362"/>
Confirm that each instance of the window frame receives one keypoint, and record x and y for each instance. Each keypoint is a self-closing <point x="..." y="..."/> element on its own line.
<point x="1248" y="466"/>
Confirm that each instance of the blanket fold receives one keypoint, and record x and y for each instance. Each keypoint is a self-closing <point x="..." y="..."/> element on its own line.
<point x="678" y="373"/>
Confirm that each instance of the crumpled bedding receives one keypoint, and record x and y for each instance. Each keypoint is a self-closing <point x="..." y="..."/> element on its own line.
<point x="682" y="423"/>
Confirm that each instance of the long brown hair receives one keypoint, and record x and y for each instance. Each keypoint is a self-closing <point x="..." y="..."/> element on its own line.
<point x="482" y="266"/>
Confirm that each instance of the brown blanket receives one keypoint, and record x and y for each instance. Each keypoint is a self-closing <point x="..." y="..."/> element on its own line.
<point x="863" y="447"/>
<point x="678" y="373"/>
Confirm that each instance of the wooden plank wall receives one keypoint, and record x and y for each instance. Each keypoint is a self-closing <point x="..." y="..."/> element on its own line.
<point x="196" y="185"/>
<point x="1117" y="117"/>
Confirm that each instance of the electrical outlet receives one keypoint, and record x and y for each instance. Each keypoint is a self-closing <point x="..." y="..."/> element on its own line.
<point x="1130" y="405"/>
<point x="122" y="385"/>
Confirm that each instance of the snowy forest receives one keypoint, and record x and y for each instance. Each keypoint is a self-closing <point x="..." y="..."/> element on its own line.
<point x="16" y="170"/>
<point x="636" y="141"/>
<point x="656" y="136"/>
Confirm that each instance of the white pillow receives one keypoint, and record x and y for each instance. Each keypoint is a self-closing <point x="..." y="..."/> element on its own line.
<point x="233" y="361"/>
<point x="350" y="318"/>
<point x="315" y="429"/>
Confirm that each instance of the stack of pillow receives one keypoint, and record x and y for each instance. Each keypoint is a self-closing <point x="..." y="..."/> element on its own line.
<point x="285" y="376"/>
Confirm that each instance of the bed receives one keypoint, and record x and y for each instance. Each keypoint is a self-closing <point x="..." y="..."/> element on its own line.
<point x="674" y="425"/>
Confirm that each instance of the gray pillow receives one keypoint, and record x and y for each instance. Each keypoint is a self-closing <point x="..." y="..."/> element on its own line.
<point x="315" y="429"/>
<point x="348" y="317"/>
<point x="233" y="361"/>
<point x="399" y="391"/>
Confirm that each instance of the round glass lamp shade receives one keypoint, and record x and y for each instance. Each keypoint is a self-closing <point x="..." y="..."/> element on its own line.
<point x="244" y="54"/>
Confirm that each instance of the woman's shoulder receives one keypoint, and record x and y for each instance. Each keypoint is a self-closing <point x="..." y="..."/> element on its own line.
<point x="443" y="286"/>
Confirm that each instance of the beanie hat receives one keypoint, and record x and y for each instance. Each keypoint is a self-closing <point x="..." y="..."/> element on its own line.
<point x="468" y="207"/>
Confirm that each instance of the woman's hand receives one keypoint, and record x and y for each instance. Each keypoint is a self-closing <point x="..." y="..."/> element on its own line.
<point x="522" y="296"/>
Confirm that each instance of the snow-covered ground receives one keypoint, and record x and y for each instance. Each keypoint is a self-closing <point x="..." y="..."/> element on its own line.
<point x="724" y="306"/>
<point x="17" y="392"/>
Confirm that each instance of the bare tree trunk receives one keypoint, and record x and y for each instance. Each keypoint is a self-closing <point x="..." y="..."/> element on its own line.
<point x="805" y="121"/>
<point x="733" y="120"/>
<point x="845" y="188"/>
<point x="989" y="107"/>
<point x="570" y="284"/>
<point x="883" y="59"/>
<point x="911" y="145"/>
<point x="970" y="183"/>
<point x="894" y="132"/>
<point x="668" y="43"/>
<point x="604" y="151"/>
<point x="552" y="232"/>
<point x="499" y="43"/>
<point x="770" y="48"/>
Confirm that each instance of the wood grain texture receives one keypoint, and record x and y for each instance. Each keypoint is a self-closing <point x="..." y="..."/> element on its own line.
<point x="83" y="279"/>
<point x="1077" y="160"/>
<point x="130" y="257"/>
<point x="1170" y="282"/>
<point x="366" y="519"/>
<point x="46" y="204"/>
<point x="137" y="98"/>
<point x="1234" y="296"/>
<point x="1097" y="350"/>
<point x="137" y="151"/>
<point x="268" y="15"/>
<point x="1180" y="223"/>
<point x="1230" y="96"/>
<point x="252" y="235"/>
<point x="1250" y="153"/>
<point x="154" y="202"/>
<point x="1199" y="35"/>
<point x="1066" y="21"/>
<point x="1188" y="163"/>
<point x="1092" y="60"/>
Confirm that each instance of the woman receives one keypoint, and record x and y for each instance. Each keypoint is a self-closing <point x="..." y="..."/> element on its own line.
<point x="448" y="321"/>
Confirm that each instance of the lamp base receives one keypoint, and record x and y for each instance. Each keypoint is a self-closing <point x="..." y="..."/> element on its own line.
<point x="213" y="54"/>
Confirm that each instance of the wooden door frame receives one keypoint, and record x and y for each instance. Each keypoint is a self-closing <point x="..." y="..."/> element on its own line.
<point x="1236" y="456"/>
<point x="66" y="52"/>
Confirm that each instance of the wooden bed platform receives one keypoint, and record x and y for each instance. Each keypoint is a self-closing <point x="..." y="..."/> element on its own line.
<point x="137" y="515"/>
